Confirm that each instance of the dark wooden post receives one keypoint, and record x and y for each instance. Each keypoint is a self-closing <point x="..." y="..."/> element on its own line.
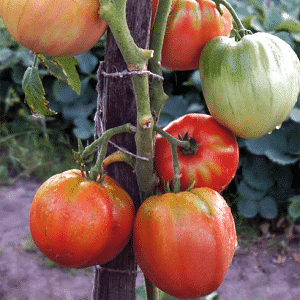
<point x="116" y="106"/>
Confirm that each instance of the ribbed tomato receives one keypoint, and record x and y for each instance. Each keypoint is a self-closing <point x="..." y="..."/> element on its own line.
<point x="77" y="222"/>
<point x="54" y="27"/>
<point x="250" y="86"/>
<point x="184" y="243"/>
<point x="212" y="163"/>
<point x="191" y="25"/>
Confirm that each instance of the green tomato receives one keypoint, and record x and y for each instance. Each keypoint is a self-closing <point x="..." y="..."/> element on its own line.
<point x="250" y="86"/>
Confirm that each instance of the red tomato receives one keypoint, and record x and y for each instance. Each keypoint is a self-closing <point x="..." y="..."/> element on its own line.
<point x="191" y="25"/>
<point x="215" y="161"/>
<point x="77" y="222"/>
<point x="184" y="243"/>
<point x="54" y="27"/>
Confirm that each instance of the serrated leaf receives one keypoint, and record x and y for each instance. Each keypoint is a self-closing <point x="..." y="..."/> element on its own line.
<point x="290" y="26"/>
<point x="34" y="92"/>
<point x="63" y="68"/>
<point x="257" y="173"/>
<point x="294" y="207"/>
<point x="68" y="64"/>
<point x="248" y="208"/>
<point x="268" y="208"/>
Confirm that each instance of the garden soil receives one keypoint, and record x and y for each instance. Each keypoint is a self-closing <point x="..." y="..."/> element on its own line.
<point x="257" y="272"/>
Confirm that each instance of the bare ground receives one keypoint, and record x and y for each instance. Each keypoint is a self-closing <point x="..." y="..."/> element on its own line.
<point x="258" y="271"/>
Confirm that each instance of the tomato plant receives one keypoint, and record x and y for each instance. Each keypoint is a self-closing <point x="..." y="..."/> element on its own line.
<point x="250" y="86"/>
<point x="54" y="28"/>
<point x="77" y="222"/>
<point x="212" y="162"/>
<point x="184" y="243"/>
<point x="191" y="25"/>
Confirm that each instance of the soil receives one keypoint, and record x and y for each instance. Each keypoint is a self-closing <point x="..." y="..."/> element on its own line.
<point x="265" y="268"/>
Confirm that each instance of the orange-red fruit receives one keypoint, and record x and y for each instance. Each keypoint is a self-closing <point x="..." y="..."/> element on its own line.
<point x="191" y="25"/>
<point x="184" y="243"/>
<point x="54" y="27"/>
<point x="214" y="162"/>
<point x="77" y="222"/>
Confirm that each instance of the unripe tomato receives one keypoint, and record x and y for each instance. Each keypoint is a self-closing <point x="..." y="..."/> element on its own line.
<point x="250" y="86"/>
<point x="214" y="161"/>
<point x="54" y="27"/>
<point x="77" y="222"/>
<point x="191" y="25"/>
<point x="184" y="243"/>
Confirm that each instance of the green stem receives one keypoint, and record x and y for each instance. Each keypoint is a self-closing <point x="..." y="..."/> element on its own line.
<point x="152" y="290"/>
<point x="114" y="13"/>
<point x="174" y="144"/>
<point x="241" y="29"/>
<point x="103" y="141"/>
<point x="157" y="94"/>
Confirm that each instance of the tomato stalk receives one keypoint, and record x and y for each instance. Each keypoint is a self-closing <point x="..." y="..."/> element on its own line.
<point x="84" y="154"/>
<point x="185" y="144"/>
<point x="157" y="94"/>
<point x="242" y="31"/>
<point x="114" y="14"/>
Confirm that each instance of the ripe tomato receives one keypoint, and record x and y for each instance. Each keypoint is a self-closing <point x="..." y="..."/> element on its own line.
<point x="184" y="243"/>
<point x="242" y="86"/>
<point x="214" y="162"/>
<point x="191" y="25"/>
<point x="54" y="27"/>
<point x="77" y="222"/>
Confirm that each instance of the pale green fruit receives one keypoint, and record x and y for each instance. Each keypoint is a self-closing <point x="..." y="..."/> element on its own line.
<point x="250" y="86"/>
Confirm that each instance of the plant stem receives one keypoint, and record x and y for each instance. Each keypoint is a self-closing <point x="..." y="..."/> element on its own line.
<point x="157" y="94"/>
<point x="174" y="144"/>
<point x="103" y="141"/>
<point x="241" y="29"/>
<point x="114" y="13"/>
<point x="152" y="290"/>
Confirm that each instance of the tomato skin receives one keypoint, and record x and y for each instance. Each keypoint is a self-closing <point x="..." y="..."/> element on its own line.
<point x="252" y="85"/>
<point x="213" y="165"/>
<point x="184" y="243"/>
<point x="73" y="220"/>
<point x="123" y="218"/>
<point x="53" y="27"/>
<point x="191" y="25"/>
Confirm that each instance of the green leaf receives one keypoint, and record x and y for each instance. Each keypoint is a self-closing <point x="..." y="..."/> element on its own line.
<point x="140" y="292"/>
<point x="290" y="26"/>
<point x="63" y="68"/>
<point x="88" y="62"/>
<point x="249" y="192"/>
<point x="257" y="173"/>
<point x="272" y="15"/>
<point x="63" y="93"/>
<point x="294" y="207"/>
<point x="268" y="208"/>
<point x="248" y="208"/>
<point x="34" y="92"/>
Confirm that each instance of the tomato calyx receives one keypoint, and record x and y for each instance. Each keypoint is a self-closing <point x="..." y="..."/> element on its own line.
<point x="192" y="150"/>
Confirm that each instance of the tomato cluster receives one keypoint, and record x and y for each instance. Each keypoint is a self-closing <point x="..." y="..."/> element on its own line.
<point x="79" y="223"/>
